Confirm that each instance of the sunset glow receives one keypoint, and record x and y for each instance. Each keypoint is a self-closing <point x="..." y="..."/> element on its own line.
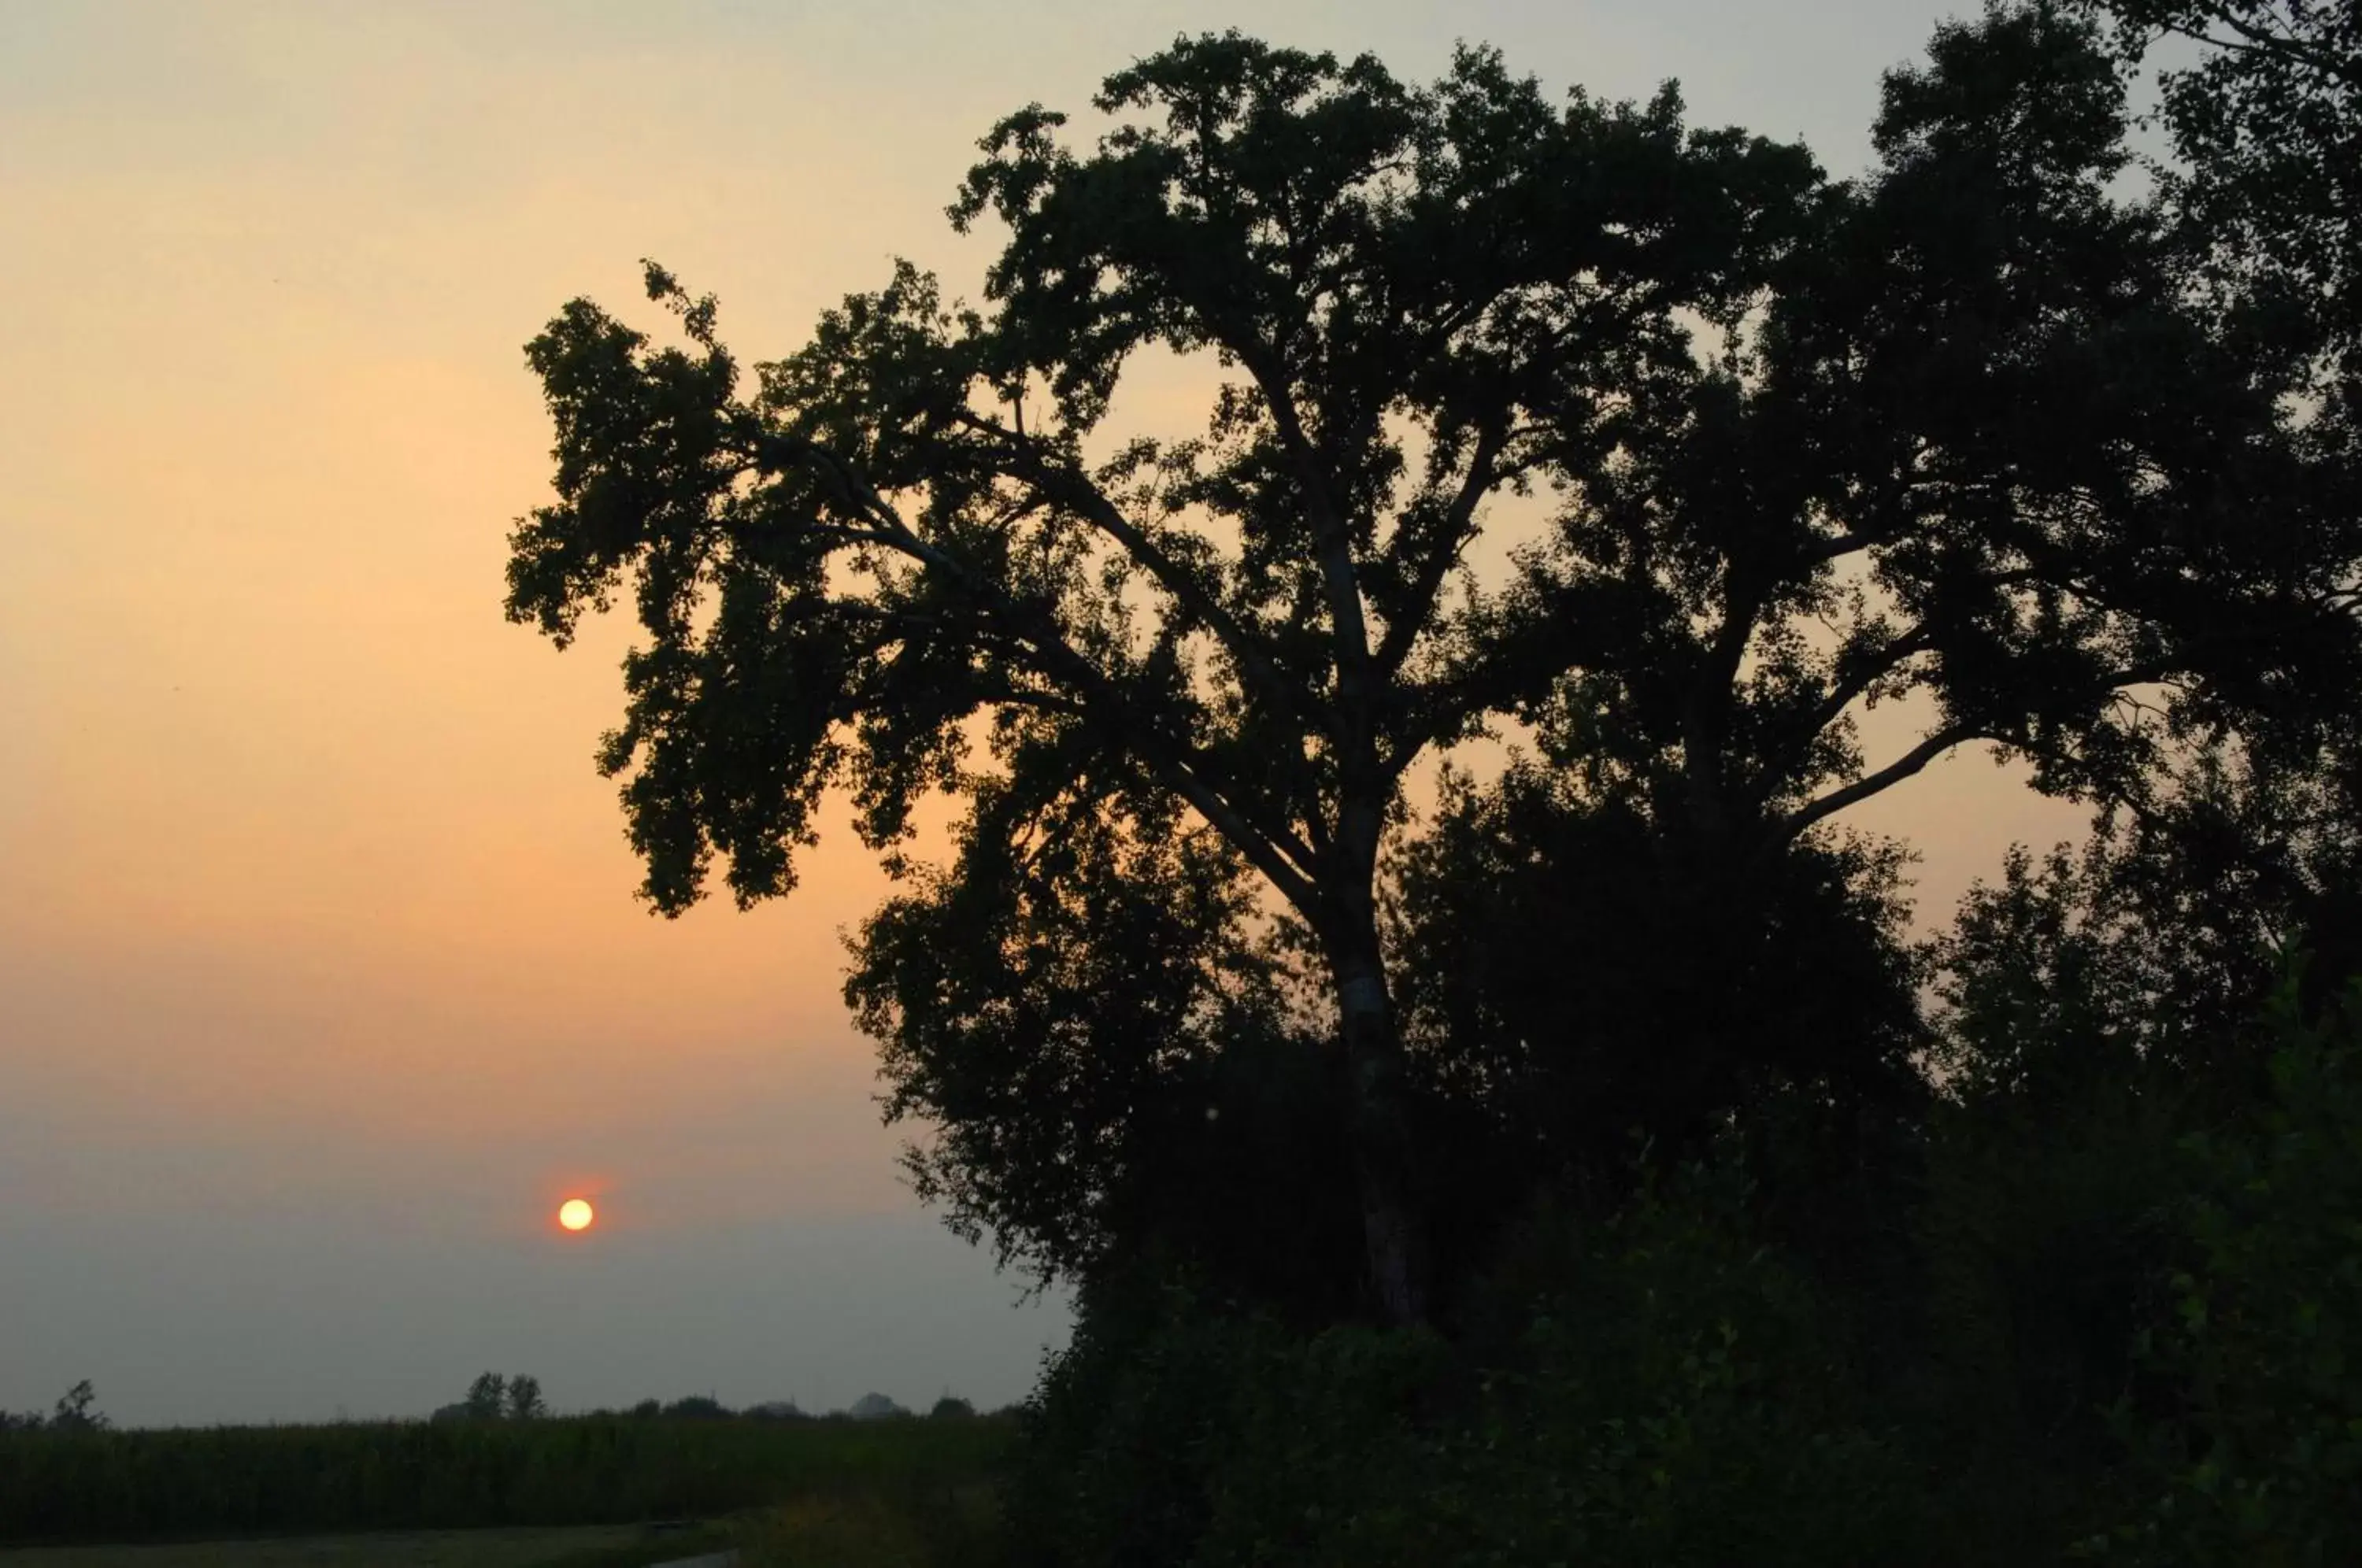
<point x="576" y="1214"/>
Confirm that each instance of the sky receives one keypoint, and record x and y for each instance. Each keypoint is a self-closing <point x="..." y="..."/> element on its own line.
<point x="321" y="978"/>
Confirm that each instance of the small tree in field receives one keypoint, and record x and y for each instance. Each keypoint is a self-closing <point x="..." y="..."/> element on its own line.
<point x="488" y="1397"/>
<point x="74" y="1412"/>
<point x="524" y="1401"/>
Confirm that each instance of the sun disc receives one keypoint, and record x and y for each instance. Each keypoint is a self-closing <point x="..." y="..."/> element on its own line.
<point x="575" y="1214"/>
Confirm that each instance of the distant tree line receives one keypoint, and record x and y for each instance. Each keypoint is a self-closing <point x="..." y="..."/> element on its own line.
<point x="518" y="1397"/>
<point x="492" y="1397"/>
<point x="75" y="1411"/>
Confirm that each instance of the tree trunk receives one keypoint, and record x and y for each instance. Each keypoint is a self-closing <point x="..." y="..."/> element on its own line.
<point x="1394" y="1228"/>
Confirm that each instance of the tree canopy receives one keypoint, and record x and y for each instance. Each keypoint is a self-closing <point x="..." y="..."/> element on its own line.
<point x="1778" y="448"/>
<point x="2265" y="124"/>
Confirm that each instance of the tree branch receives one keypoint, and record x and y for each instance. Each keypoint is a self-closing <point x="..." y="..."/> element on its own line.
<point x="1873" y="668"/>
<point x="1363" y="780"/>
<point x="1079" y="492"/>
<point x="2255" y="39"/>
<point x="1403" y="631"/>
<point x="1274" y="850"/>
<point x="1705" y="707"/>
<point x="1868" y="784"/>
<point x="1348" y="626"/>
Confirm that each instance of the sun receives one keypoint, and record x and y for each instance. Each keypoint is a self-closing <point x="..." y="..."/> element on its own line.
<point x="576" y="1214"/>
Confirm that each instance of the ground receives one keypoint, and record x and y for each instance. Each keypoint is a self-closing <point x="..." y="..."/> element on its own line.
<point x="624" y="1546"/>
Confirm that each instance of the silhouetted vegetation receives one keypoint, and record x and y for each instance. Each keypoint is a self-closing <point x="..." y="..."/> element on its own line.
<point x="1588" y="1165"/>
<point x="75" y="1411"/>
<point x="696" y="1407"/>
<point x="95" y="1484"/>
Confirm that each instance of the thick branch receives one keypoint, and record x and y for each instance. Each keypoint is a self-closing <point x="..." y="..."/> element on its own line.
<point x="1444" y="548"/>
<point x="1830" y="551"/>
<point x="1706" y="708"/>
<point x="1867" y="670"/>
<point x="1361" y="806"/>
<point x="1348" y="626"/>
<point x="1868" y="784"/>
<point x="1266" y="856"/>
<point x="1274" y="850"/>
<point x="1079" y="492"/>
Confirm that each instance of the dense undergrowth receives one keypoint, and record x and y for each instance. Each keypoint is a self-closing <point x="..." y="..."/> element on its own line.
<point x="2119" y="1324"/>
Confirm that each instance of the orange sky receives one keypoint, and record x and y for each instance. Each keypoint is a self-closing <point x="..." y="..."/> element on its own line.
<point x="318" y="921"/>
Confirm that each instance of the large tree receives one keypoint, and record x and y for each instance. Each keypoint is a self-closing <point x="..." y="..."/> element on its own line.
<point x="1806" y="446"/>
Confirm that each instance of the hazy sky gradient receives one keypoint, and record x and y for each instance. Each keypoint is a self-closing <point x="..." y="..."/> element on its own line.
<point x="320" y="977"/>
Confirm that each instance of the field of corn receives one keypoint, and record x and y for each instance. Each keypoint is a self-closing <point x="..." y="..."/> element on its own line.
<point x="60" y="1488"/>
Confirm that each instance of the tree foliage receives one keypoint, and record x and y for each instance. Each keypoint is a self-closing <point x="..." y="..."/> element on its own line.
<point x="524" y="1400"/>
<point x="2267" y="132"/>
<point x="1956" y="433"/>
<point x="487" y="1396"/>
<point x="2260" y="1457"/>
<point x="73" y="1412"/>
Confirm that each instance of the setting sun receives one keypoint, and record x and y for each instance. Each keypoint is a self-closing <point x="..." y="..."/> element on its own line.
<point x="575" y="1214"/>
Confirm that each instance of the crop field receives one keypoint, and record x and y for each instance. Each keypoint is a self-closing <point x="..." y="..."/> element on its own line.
<point x="564" y="1492"/>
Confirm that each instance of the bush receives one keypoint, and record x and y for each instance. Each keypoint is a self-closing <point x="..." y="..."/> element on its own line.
<point x="1654" y="1389"/>
<point x="2045" y="1226"/>
<point x="1675" y="1393"/>
<point x="2244" y="1427"/>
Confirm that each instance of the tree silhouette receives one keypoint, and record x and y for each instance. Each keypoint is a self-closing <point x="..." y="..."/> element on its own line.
<point x="2246" y="846"/>
<point x="73" y="1412"/>
<point x="1809" y="446"/>
<point x="524" y="1398"/>
<point x="488" y="1397"/>
<point x="2267" y="130"/>
<point x="1571" y="985"/>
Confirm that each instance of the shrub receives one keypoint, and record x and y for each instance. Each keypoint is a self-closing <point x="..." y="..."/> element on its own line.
<point x="2045" y="1224"/>
<point x="1664" y="1388"/>
<point x="2244" y="1427"/>
<point x="1653" y="1389"/>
